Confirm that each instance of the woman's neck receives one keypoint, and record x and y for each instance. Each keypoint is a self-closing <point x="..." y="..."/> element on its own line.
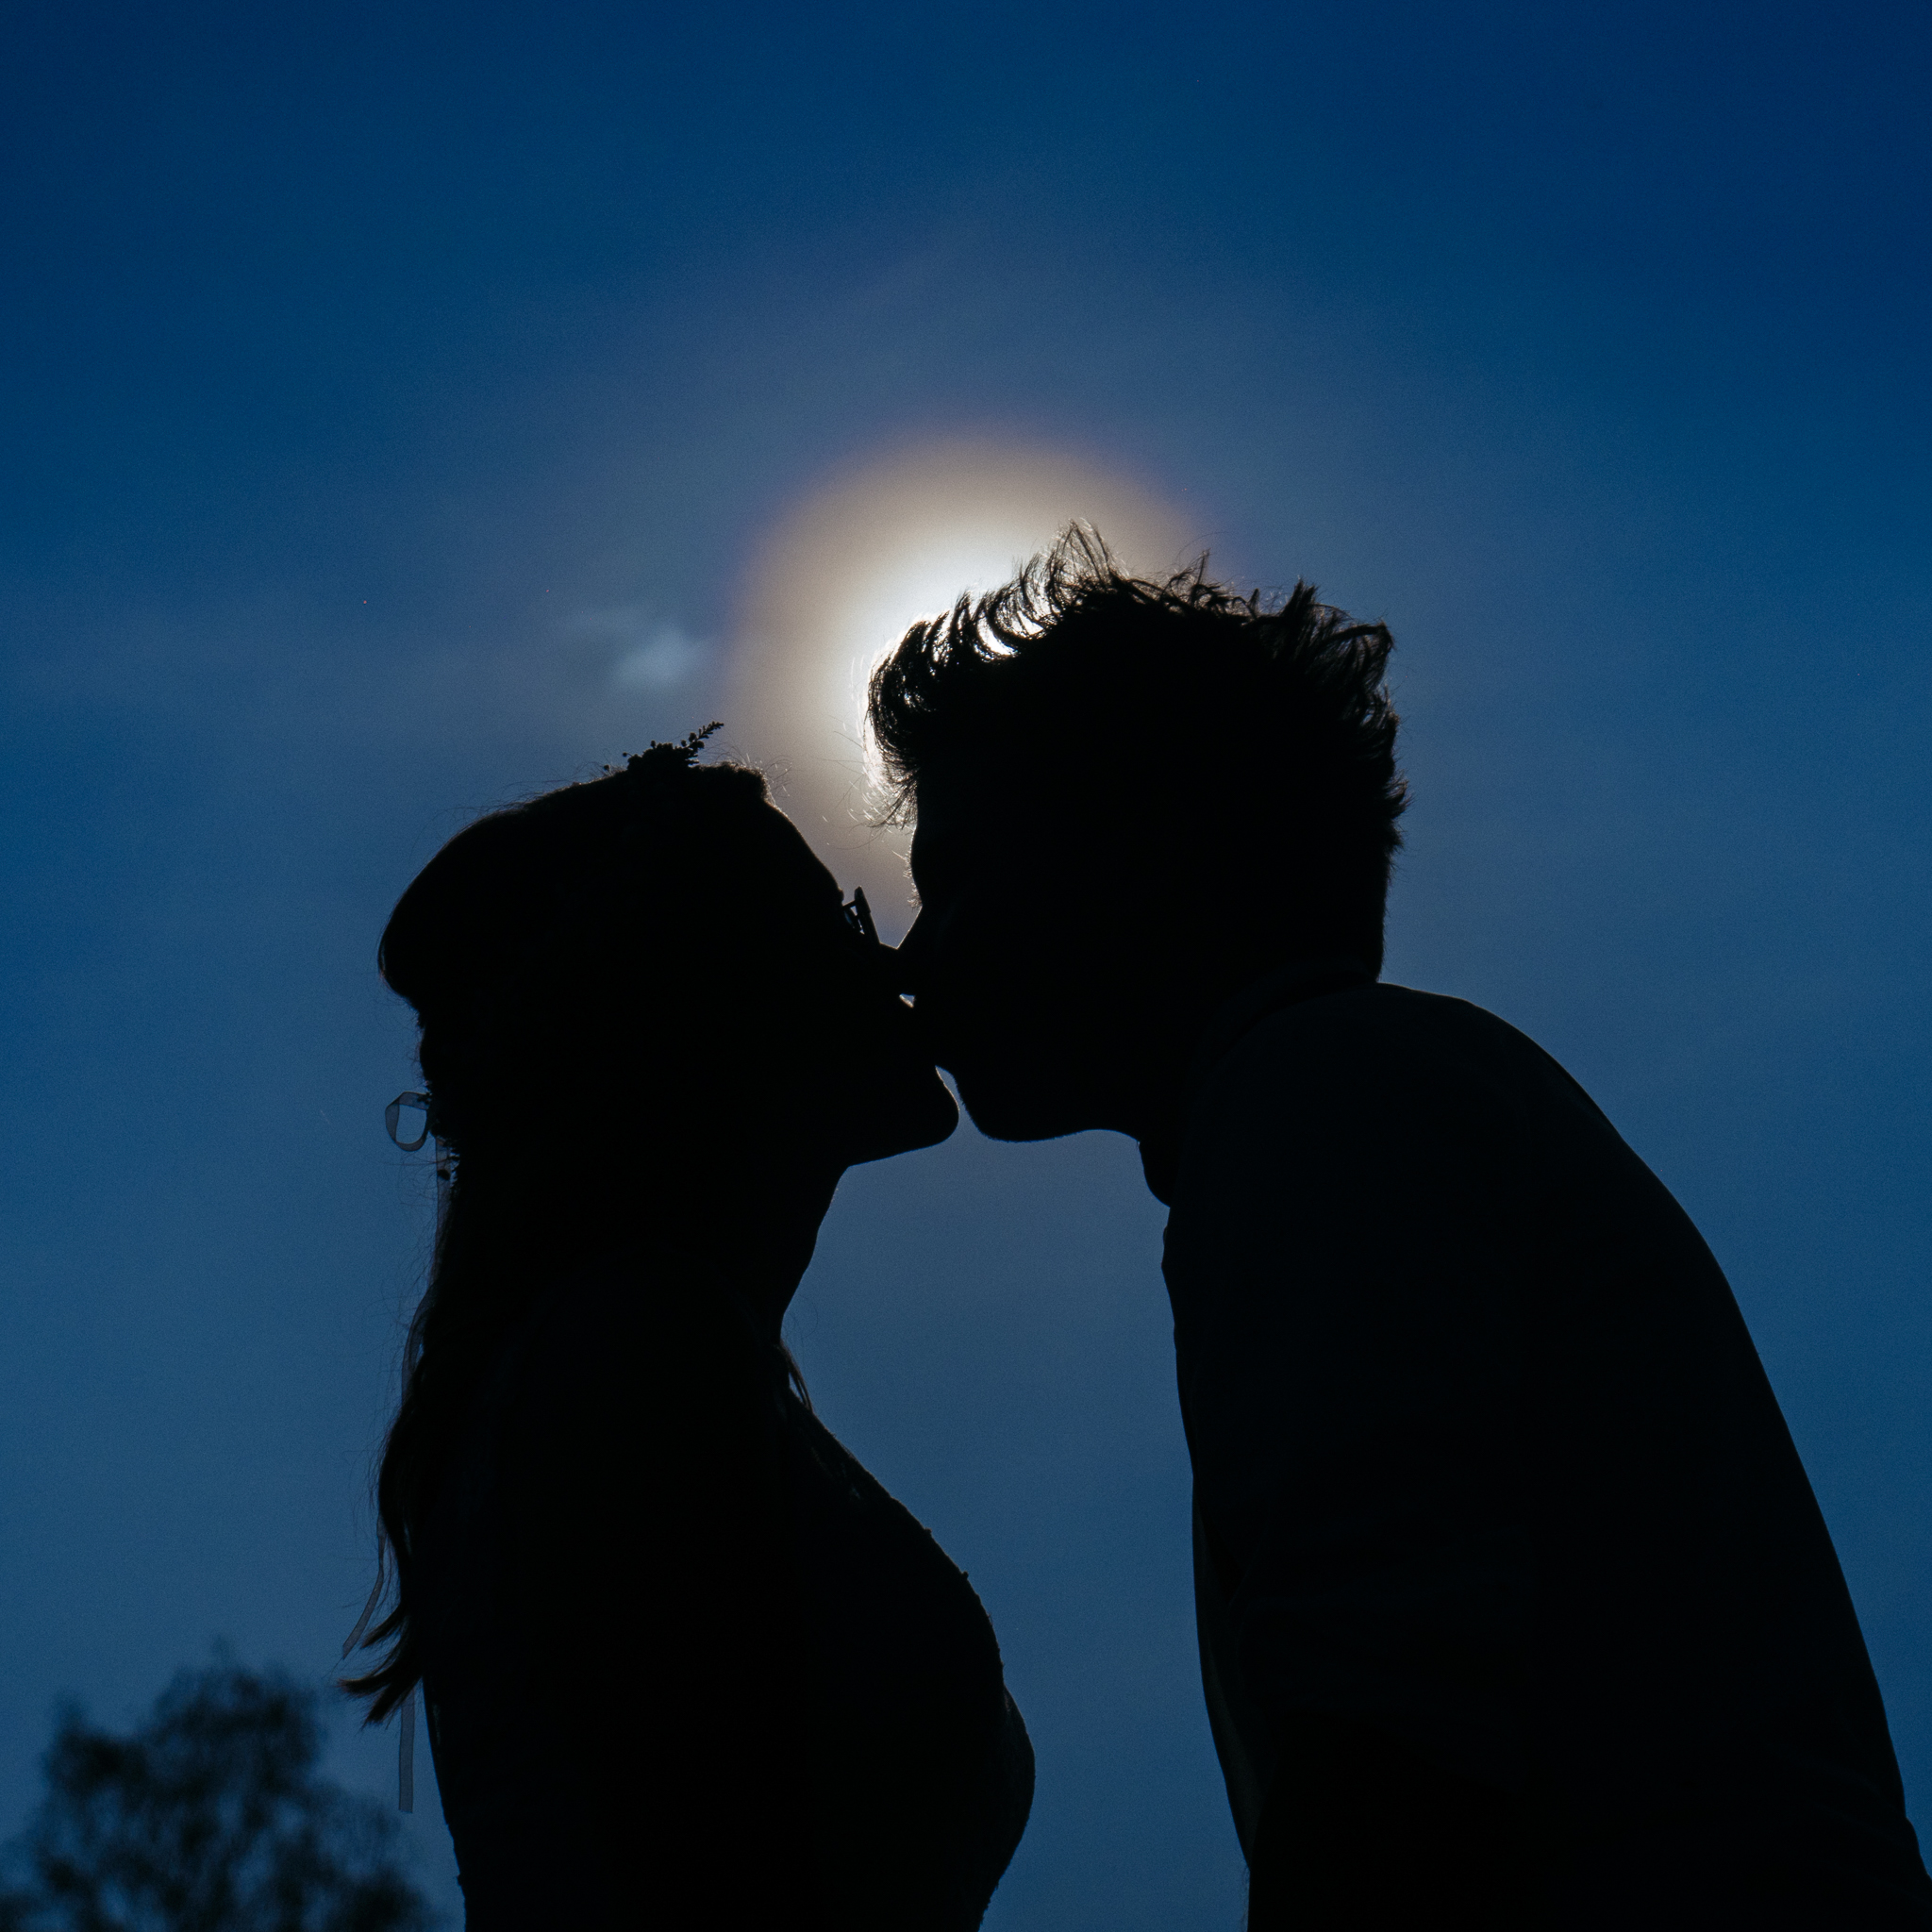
<point x="758" y="1224"/>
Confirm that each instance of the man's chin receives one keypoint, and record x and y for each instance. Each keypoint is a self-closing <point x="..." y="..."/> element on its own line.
<point x="1008" y="1110"/>
<point x="924" y="1117"/>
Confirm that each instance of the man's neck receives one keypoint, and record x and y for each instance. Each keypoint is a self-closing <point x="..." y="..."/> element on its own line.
<point x="1216" y="1025"/>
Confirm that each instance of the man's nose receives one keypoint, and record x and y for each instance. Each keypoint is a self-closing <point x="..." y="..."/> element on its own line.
<point x="909" y="958"/>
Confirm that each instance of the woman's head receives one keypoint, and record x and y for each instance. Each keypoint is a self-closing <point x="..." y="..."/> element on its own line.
<point x="648" y="972"/>
<point x="647" y="1024"/>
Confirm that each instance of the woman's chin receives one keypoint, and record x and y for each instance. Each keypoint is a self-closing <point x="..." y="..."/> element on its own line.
<point x="922" y="1114"/>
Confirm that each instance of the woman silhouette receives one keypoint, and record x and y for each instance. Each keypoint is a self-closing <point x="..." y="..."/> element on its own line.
<point x="685" y="1663"/>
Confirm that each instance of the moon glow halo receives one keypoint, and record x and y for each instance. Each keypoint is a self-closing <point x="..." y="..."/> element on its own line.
<point x="844" y="575"/>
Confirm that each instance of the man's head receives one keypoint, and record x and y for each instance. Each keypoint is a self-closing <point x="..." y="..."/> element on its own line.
<point x="1129" y="797"/>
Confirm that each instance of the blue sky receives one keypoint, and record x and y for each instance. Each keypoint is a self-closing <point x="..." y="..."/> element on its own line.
<point x="400" y="407"/>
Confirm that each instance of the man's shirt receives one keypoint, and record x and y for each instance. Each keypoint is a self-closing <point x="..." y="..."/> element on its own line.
<point x="1484" y="1456"/>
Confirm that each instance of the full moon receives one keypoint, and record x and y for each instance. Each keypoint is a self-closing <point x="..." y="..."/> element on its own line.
<point x="844" y="574"/>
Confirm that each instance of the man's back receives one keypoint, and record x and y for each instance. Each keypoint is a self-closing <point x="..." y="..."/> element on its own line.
<point x="1485" y="1460"/>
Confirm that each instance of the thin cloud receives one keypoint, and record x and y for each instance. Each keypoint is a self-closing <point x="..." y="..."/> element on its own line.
<point x="648" y="653"/>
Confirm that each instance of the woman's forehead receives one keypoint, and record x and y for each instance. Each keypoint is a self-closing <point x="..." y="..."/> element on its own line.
<point x="796" y="859"/>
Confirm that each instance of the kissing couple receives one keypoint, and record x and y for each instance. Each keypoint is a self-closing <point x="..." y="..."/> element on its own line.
<point x="1515" y="1606"/>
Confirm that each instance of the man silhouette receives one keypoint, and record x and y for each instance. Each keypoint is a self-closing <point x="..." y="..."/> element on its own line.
<point x="1515" y="1606"/>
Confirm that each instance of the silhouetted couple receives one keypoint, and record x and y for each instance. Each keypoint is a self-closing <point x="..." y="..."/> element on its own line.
<point x="1515" y="1608"/>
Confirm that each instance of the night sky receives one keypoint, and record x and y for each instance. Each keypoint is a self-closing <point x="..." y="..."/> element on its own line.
<point x="403" y="409"/>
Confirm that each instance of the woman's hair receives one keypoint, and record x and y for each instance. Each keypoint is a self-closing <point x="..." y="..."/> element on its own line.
<point x="574" y="963"/>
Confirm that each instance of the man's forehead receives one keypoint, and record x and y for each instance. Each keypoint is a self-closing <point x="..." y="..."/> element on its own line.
<point x="952" y="807"/>
<point x="946" y="795"/>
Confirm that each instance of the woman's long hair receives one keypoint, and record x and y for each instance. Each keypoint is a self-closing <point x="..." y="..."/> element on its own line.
<point x="579" y="966"/>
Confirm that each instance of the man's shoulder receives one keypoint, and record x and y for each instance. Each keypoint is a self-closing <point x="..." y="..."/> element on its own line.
<point x="1381" y="1058"/>
<point x="1384" y="1008"/>
<point x="1392" y="1028"/>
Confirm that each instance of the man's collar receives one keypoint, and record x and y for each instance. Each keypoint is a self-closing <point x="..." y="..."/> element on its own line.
<point x="1302" y="979"/>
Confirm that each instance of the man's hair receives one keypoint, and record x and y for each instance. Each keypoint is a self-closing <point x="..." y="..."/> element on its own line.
<point x="1078" y="680"/>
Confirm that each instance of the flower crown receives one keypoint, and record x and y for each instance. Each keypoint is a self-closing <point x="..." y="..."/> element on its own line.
<point x="661" y="760"/>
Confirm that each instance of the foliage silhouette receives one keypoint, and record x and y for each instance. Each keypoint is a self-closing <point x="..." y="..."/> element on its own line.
<point x="210" y="1817"/>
